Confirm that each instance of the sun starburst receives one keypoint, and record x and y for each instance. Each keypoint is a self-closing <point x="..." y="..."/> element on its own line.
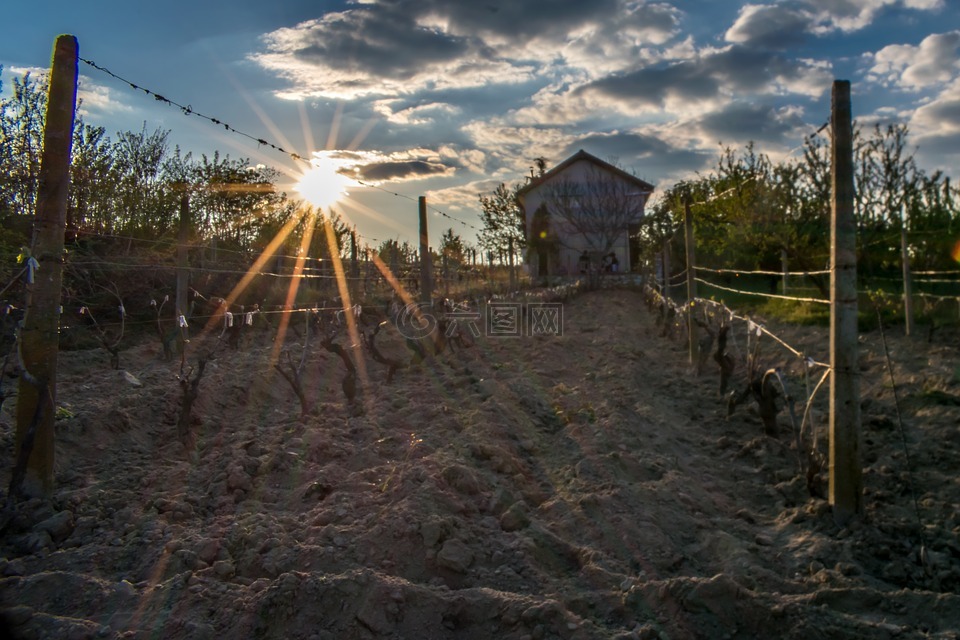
<point x="324" y="183"/>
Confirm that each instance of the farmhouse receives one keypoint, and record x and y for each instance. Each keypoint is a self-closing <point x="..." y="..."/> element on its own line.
<point x="580" y="216"/>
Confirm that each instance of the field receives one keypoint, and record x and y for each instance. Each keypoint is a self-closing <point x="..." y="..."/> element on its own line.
<point x="579" y="486"/>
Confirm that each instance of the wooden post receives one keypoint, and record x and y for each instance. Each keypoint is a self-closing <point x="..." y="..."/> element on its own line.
<point x="183" y="236"/>
<point x="395" y="259"/>
<point x="784" y="269"/>
<point x="666" y="269"/>
<point x="907" y="281"/>
<point x="846" y="481"/>
<point x="694" y="345"/>
<point x="426" y="268"/>
<point x="446" y="275"/>
<point x="39" y="338"/>
<point x="353" y="284"/>
<point x="513" y="275"/>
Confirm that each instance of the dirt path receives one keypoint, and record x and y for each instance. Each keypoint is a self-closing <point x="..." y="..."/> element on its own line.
<point x="578" y="486"/>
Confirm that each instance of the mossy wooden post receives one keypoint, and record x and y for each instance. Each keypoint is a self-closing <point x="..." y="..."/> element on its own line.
<point x="41" y="324"/>
<point x="691" y="282"/>
<point x="846" y="478"/>
<point x="426" y="268"/>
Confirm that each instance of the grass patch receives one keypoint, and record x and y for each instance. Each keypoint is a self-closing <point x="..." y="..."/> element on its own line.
<point x="793" y="312"/>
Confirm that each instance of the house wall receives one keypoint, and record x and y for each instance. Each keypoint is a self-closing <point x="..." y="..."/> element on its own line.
<point x="573" y="243"/>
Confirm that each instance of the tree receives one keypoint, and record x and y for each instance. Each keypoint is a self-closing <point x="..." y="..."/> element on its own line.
<point x="503" y="221"/>
<point x="452" y="247"/>
<point x="22" y="118"/>
<point x="933" y="219"/>
<point x="92" y="192"/>
<point x="142" y="207"/>
<point x="392" y="252"/>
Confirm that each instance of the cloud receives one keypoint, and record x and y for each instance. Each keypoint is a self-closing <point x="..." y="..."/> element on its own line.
<point x="711" y="79"/>
<point x="647" y="155"/>
<point x="627" y="34"/>
<point x="378" y="50"/>
<point x="941" y="114"/>
<point x="401" y="47"/>
<point x="378" y="167"/>
<point x="788" y="24"/>
<point x="778" y="26"/>
<point x="92" y="98"/>
<point x="397" y="170"/>
<point x="853" y="15"/>
<point x="935" y="61"/>
<point x="741" y="122"/>
<point x="397" y="111"/>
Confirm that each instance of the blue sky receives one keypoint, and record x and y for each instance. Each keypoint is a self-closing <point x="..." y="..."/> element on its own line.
<point x="448" y="99"/>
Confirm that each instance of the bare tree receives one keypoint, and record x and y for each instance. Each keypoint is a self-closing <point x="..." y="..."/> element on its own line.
<point x="598" y="208"/>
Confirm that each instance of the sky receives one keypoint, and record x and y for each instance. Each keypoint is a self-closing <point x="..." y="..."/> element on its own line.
<point x="447" y="99"/>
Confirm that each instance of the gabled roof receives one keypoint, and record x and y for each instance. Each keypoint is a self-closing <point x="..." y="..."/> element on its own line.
<point x="584" y="156"/>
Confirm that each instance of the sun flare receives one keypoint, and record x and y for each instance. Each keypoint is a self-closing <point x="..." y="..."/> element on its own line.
<point x="322" y="185"/>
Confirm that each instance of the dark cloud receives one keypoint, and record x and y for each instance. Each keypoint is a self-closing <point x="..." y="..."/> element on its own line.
<point x="384" y="41"/>
<point x="777" y="26"/>
<point x="741" y="122"/>
<point x="407" y="170"/>
<point x="943" y="111"/>
<point x="942" y="149"/>
<point x="653" y="85"/>
<point x="732" y="70"/>
<point x="644" y="155"/>
<point x="392" y="48"/>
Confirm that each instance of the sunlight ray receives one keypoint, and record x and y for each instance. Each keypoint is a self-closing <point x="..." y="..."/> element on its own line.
<point x="267" y="121"/>
<point x="294" y="287"/>
<point x="373" y="213"/>
<point x="342" y="286"/>
<point x="260" y="155"/>
<point x="392" y="279"/>
<point x="335" y="126"/>
<point x="362" y="134"/>
<point x="307" y="129"/>
<point x="256" y="267"/>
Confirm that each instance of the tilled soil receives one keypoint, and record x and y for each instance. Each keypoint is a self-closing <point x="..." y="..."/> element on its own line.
<point x="581" y="486"/>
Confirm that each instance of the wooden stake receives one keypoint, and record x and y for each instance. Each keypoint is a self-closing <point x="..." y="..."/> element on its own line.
<point x="666" y="269"/>
<point x="693" y="343"/>
<point x="784" y="270"/>
<point x="907" y="282"/>
<point x="181" y="307"/>
<point x="846" y="481"/>
<point x="426" y="268"/>
<point x="513" y="275"/>
<point x="39" y="339"/>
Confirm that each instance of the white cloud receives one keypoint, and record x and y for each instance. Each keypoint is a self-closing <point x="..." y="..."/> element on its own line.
<point x="422" y="114"/>
<point x="940" y="115"/>
<point x="935" y="128"/>
<point x="853" y="15"/>
<point x="777" y="26"/>
<point x="935" y="61"/>
<point x="92" y="98"/>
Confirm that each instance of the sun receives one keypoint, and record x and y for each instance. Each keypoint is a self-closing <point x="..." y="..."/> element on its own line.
<point x="322" y="185"/>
